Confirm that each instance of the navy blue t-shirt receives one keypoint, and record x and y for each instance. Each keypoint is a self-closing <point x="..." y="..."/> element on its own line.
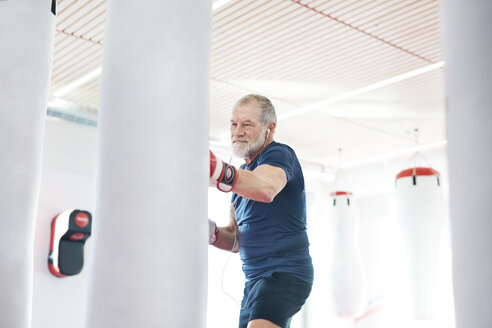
<point x="272" y="236"/>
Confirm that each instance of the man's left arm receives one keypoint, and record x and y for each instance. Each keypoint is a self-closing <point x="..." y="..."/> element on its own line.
<point x="262" y="184"/>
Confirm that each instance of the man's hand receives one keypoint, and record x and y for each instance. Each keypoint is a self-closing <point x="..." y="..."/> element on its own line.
<point x="222" y="175"/>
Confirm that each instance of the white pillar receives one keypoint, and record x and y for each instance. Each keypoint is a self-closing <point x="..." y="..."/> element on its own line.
<point x="27" y="30"/>
<point x="468" y="74"/>
<point x="150" y="221"/>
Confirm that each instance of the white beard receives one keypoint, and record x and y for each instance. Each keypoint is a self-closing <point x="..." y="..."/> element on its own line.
<point x="250" y="149"/>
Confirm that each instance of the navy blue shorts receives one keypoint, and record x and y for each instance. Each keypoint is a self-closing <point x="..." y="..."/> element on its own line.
<point x="276" y="299"/>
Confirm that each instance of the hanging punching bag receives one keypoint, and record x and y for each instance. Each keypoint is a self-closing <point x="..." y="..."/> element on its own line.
<point x="347" y="278"/>
<point x="421" y="215"/>
<point x="150" y="228"/>
<point x="27" y="29"/>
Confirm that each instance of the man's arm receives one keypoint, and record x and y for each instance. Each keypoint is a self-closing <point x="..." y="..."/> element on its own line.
<point x="227" y="236"/>
<point x="262" y="184"/>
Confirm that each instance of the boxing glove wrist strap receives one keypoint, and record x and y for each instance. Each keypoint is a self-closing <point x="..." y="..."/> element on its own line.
<point x="227" y="179"/>
<point x="213" y="232"/>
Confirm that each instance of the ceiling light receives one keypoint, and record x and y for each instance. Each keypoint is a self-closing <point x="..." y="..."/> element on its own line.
<point x="77" y="83"/>
<point x="359" y="91"/>
<point x="63" y="91"/>
<point x="219" y="3"/>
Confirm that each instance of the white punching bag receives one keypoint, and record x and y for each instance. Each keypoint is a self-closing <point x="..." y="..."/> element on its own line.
<point x="150" y="222"/>
<point x="467" y="48"/>
<point x="420" y="205"/>
<point x="347" y="278"/>
<point x="27" y="29"/>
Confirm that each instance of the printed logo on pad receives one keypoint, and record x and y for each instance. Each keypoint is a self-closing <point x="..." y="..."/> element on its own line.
<point x="77" y="236"/>
<point x="81" y="220"/>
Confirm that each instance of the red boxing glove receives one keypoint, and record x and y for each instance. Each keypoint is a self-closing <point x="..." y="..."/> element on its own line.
<point x="222" y="175"/>
<point x="212" y="232"/>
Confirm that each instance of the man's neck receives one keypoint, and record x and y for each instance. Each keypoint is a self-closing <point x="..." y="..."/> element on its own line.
<point x="250" y="159"/>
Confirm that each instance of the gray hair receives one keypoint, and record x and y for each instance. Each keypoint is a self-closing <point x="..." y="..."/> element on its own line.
<point x="267" y="111"/>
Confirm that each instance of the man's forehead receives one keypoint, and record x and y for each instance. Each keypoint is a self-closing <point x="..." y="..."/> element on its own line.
<point x="248" y="111"/>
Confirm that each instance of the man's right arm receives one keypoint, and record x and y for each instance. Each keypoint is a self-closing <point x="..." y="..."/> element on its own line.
<point x="226" y="237"/>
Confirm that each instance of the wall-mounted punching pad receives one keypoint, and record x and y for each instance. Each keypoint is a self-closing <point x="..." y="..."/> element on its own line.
<point x="69" y="231"/>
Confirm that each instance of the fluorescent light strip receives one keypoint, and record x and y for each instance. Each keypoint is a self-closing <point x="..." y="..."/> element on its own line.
<point x="63" y="91"/>
<point x="359" y="91"/>
<point x="220" y="3"/>
<point x="400" y="153"/>
<point x="79" y="82"/>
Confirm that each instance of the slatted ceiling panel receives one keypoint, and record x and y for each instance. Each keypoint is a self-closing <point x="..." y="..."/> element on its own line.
<point x="63" y="7"/>
<point x="338" y="86"/>
<point x="221" y="105"/>
<point x="226" y="12"/>
<point x="370" y="69"/>
<point x="78" y="51"/>
<point x="77" y="48"/>
<point x="388" y="27"/>
<point x="244" y="45"/>
<point x="247" y="19"/>
<point x="387" y="132"/>
<point x="408" y="27"/>
<point x="60" y="38"/>
<point x="420" y="97"/>
<point x="91" y="97"/>
<point x="406" y="17"/>
<point x="426" y="87"/>
<point x="368" y="77"/>
<point x="95" y="31"/>
<point x="287" y="65"/>
<point x="431" y="129"/>
<point x="223" y="102"/>
<point x="85" y="22"/>
<point x="80" y="69"/>
<point x="424" y="31"/>
<point x="434" y="53"/>
<point x="347" y="10"/>
<point x="66" y="49"/>
<point x="296" y="92"/>
<point x="376" y="15"/>
<point x="396" y="110"/>
<point x="298" y="53"/>
<point x="78" y="12"/>
<point x="267" y="28"/>
<point x="83" y="94"/>
<point x="426" y="45"/>
<point x="66" y="65"/>
<point x="305" y="134"/>
<point x="283" y="94"/>
<point x="365" y="11"/>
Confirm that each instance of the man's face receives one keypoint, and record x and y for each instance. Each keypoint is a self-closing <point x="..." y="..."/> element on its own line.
<point x="247" y="132"/>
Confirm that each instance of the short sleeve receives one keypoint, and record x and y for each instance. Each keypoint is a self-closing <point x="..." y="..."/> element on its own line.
<point x="281" y="157"/>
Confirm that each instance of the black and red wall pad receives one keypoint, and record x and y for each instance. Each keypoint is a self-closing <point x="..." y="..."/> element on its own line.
<point x="69" y="231"/>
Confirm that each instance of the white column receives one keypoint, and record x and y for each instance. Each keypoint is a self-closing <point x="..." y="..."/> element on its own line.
<point x="150" y="221"/>
<point x="27" y="30"/>
<point x="468" y="74"/>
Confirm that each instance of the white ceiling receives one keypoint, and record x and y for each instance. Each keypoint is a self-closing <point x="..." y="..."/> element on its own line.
<point x="327" y="65"/>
